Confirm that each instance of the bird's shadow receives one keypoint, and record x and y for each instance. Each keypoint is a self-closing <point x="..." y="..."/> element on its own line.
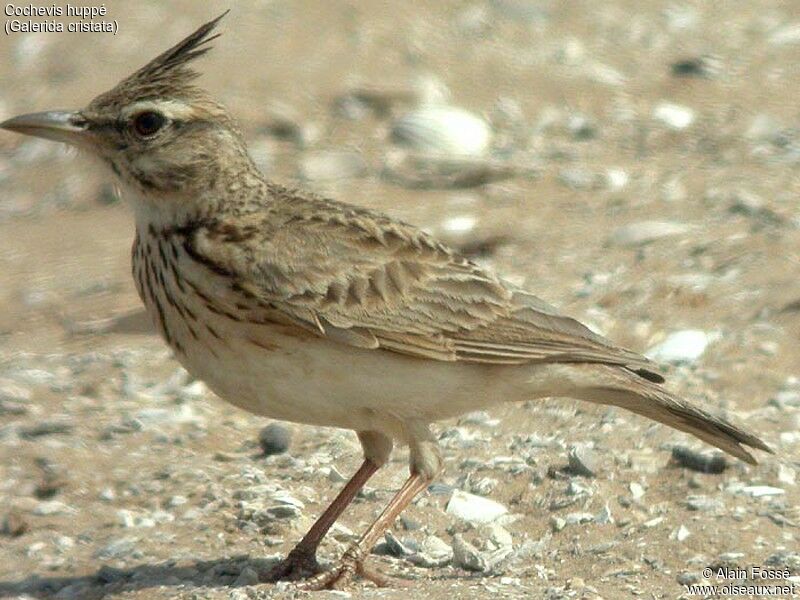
<point x="109" y="581"/>
<point x="106" y="581"/>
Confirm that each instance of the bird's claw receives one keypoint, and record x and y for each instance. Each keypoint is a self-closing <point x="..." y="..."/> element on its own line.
<point x="342" y="575"/>
<point x="297" y="565"/>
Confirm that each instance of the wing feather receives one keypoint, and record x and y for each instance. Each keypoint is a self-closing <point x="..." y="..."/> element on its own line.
<point x="364" y="280"/>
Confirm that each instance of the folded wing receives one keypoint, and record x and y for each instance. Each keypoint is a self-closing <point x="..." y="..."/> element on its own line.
<point x="363" y="280"/>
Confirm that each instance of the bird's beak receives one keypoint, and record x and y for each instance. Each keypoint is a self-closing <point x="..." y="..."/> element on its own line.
<point x="61" y="126"/>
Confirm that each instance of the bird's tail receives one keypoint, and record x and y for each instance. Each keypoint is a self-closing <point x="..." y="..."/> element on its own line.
<point x="620" y="387"/>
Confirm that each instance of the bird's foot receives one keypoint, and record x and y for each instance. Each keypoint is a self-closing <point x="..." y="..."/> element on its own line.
<point x="341" y="576"/>
<point x="299" y="564"/>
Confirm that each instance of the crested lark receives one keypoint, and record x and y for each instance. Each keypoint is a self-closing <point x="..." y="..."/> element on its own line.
<point x="304" y="309"/>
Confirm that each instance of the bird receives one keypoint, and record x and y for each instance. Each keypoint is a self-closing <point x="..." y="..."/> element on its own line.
<point x="305" y="309"/>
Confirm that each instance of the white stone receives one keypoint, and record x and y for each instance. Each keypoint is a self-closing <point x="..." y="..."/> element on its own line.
<point x="681" y="533"/>
<point x="616" y="178"/>
<point x="652" y="522"/>
<point x="433" y="553"/>
<point x="788" y="34"/>
<point x="674" y="116"/>
<point x="334" y="475"/>
<point x="579" y="517"/>
<point x="460" y="224"/>
<point x="637" y="491"/>
<point x="760" y="491"/>
<point x="498" y="536"/>
<point x="684" y="346"/>
<point x="65" y="542"/>
<point x="787" y="475"/>
<point x="643" y="232"/>
<point x="605" y="74"/>
<point x="128" y="519"/>
<point x="474" y="509"/>
<point x="52" y="507"/>
<point x="789" y="438"/>
<point x="443" y="130"/>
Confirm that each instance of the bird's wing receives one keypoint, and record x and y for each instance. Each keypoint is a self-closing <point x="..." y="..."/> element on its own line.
<point x="365" y="280"/>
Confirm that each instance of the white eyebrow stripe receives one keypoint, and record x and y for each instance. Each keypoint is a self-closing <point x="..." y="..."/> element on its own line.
<point x="172" y="109"/>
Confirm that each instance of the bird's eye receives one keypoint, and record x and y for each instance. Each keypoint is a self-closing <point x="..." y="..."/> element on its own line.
<point x="148" y="123"/>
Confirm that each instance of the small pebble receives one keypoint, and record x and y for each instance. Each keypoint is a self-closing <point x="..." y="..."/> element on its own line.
<point x="727" y="557"/>
<point x="461" y="224"/>
<point x="786" y="399"/>
<point x="442" y="130"/>
<point x="786" y="558"/>
<point x="682" y="347"/>
<point x="579" y="517"/>
<point x="652" y="522"/>
<point x="44" y="428"/>
<point x="616" y="179"/>
<point x="474" y="509"/>
<point x="637" y="491"/>
<point x="434" y="553"/>
<point x="681" y="533"/>
<point x="704" y="462"/>
<point x="688" y="578"/>
<point x="176" y="501"/>
<point x="604" y="516"/>
<point x="483" y="486"/>
<point x="785" y="35"/>
<point x="674" y="116"/>
<point x="583" y="461"/>
<point x="787" y="474"/>
<point x="117" y="548"/>
<point x="395" y="546"/>
<point x="497" y="536"/>
<point x="580" y="178"/>
<point x="695" y="66"/>
<point x="52" y="507"/>
<point x="703" y="503"/>
<point x="581" y="127"/>
<point x="761" y="491"/>
<point x="467" y="556"/>
<point x="274" y="439"/>
<point x="644" y="232"/>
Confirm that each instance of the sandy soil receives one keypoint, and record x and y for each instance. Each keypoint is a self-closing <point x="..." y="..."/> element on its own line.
<point x="122" y="478"/>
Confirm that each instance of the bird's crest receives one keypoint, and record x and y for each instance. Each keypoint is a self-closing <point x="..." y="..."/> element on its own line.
<point x="168" y="74"/>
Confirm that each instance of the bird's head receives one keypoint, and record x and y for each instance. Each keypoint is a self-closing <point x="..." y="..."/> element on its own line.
<point x="162" y="136"/>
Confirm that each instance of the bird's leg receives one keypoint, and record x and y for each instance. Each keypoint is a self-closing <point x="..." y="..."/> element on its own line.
<point x="302" y="560"/>
<point x="426" y="463"/>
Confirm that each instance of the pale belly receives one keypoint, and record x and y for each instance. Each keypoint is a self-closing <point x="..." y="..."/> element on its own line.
<point x="316" y="381"/>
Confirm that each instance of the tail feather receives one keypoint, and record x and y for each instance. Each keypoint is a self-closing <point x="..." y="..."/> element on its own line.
<point x="618" y="387"/>
<point x="679" y="414"/>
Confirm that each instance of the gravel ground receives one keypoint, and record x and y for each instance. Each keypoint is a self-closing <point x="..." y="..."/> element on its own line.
<point x="634" y="163"/>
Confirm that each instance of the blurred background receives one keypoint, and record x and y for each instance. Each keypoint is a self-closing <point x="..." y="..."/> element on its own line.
<point x="634" y="163"/>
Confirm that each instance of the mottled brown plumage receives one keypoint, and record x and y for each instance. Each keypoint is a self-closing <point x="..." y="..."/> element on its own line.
<point x="373" y="282"/>
<point x="306" y="309"/>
